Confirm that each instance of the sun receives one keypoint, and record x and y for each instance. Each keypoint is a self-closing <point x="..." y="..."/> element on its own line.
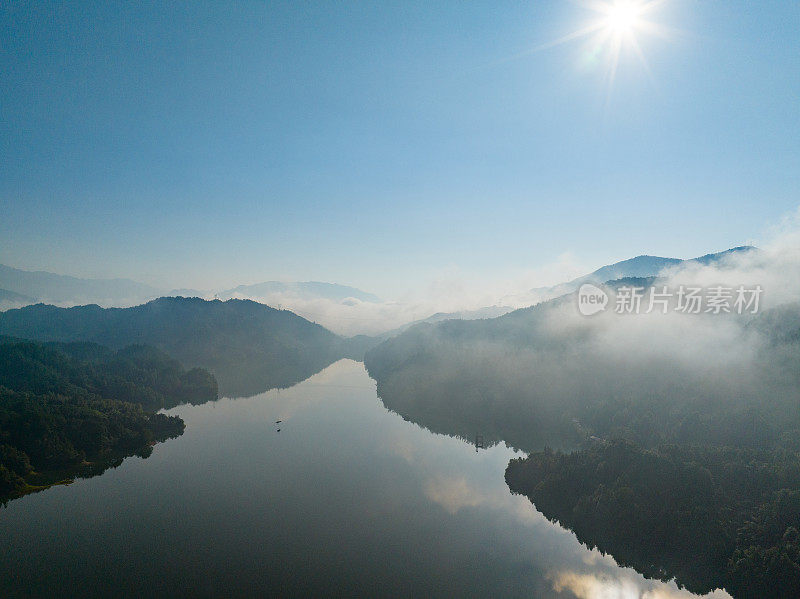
<point x="623" y="17"/>
<point x="617" y="29"/>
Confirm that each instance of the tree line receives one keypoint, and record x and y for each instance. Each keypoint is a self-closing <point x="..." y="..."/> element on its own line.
<point x="65" y="407"/>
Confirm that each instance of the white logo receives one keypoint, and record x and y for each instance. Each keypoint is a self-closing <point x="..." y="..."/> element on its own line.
<point x="591" y="299"/>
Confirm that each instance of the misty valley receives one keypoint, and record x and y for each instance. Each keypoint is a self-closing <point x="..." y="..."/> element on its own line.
<point x="400" y="299"/>
<point x="539" y="452"/>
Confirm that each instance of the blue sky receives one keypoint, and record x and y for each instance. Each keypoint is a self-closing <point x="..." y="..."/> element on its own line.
<point x="382" y="145"/>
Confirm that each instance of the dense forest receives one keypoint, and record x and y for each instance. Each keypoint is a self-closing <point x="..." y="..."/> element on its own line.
<point x="249" y="347"/>
<point x="708" y="516"/>
<point x="69" y="409"/>
<point x="685" y="432"/>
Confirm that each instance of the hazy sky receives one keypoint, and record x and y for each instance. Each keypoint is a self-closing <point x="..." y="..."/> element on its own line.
<point x="387" y="145"/>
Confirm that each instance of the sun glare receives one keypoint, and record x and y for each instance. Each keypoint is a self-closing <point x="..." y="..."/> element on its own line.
<point x="623" y="17"/>
<point x="614" y="32"/>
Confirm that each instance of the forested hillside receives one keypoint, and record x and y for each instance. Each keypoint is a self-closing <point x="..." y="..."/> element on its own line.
<point x="67" y="409"/>
<point x="248" y="346"/>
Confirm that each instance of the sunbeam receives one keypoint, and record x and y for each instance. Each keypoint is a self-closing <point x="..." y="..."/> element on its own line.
<point x="615" y="31"/>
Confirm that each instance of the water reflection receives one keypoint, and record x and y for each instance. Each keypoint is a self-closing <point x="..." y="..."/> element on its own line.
<point x="348" y="499"/>
<point x="246" y="377"/>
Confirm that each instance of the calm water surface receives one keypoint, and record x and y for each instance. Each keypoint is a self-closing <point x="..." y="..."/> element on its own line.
<point x="347" y="499"/>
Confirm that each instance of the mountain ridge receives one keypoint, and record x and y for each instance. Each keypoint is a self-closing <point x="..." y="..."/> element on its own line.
<point x="249" y="346"/>
<point x="302" y="289"/>
<point x="643" y="265"/>
<point x="40" y="286"/>
<point x="55" y="288"/>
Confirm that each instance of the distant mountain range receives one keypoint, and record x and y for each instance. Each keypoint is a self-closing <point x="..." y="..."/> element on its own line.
<point x="340" y="307"/>
<point x="51" y="288"/>
<point x="478" y="314"/>
<point x="640" y="266"/>
<point x="10" y="299"/>
<point x="248" y="346"/>
<point x="307" y="291"/>
<point x="21" y="287"/>
<point x="437" y="372"/>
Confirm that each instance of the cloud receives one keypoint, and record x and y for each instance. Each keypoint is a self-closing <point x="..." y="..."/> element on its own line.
<point x="450" y="290"/>
<point x="453" y="493"/>
<point x="598" y="586"/>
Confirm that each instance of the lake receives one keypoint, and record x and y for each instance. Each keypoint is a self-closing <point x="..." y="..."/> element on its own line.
<point x="347" y="499"/>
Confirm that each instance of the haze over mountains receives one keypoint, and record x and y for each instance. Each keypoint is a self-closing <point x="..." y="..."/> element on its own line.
<point x="552" y="352"/>
<point x="248" y="346"/>
<point x="722" y="389"/>
<point x="20" y="287"/>
<point x="9" y="299"/>
<point x="46" y="287"/>
<point x="343" y="309"/>
<point x="684" y="426"/>
<point x="308" y="290"/>
<point x="477" y="314"/>
<point x="640" y="266"/>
